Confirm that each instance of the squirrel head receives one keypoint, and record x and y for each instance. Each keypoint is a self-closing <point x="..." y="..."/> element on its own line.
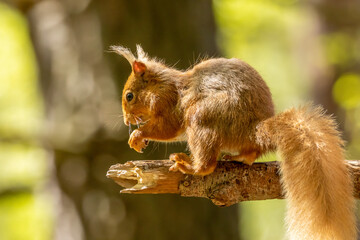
<point x="143" y="93"/>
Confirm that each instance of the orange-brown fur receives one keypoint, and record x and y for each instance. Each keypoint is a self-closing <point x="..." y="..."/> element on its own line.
<point x="318" y="185"/>
<point x="223" y="105"/>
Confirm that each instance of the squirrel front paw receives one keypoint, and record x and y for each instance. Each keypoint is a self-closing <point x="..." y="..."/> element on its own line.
<point x="182" y="163"/>
<point x="137" y="142"/>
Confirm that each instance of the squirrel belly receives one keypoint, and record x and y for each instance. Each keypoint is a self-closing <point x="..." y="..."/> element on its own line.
<point x="314" y="175"/>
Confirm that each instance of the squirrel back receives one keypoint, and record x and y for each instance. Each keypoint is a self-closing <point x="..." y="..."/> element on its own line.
<point x="314" y="176"/>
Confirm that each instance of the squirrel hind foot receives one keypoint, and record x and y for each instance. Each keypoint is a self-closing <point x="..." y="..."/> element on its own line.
<point x="247" y="158"/>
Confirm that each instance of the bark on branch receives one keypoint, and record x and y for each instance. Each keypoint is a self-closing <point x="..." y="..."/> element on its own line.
<point x="231" y="182"/>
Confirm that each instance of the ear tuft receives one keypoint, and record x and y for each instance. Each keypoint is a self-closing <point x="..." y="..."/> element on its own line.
<point x="141" y="55"/>
<point x="139" y="68"/>
<point x="125" y="52"/>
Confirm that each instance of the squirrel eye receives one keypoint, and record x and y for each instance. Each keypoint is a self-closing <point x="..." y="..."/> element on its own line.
<point x="129" y="96"/>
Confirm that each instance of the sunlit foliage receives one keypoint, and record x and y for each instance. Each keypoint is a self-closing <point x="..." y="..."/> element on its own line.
<point x="24" y="209"/>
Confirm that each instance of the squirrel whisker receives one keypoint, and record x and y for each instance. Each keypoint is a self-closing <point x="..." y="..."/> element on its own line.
<point x="130" y="129"/>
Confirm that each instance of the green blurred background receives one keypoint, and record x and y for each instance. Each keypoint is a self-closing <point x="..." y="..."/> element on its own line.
<point x="60" y="123"/>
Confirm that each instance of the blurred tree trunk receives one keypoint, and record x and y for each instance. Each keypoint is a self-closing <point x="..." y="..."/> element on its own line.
<point x="84" y="128"/>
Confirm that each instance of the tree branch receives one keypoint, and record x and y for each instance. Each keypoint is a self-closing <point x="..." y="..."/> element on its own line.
<point x="230" y="183"/>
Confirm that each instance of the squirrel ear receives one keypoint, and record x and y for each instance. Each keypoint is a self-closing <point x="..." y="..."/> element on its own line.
<point x="139" y="68"/>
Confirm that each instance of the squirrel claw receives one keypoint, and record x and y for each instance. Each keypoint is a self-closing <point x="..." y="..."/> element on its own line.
<point x="180" y="167"/>
<point x="247" y="159"/>
<point x="174" y="168"/>
<point x="226" y="158"/>
<point x="181" y="158"/>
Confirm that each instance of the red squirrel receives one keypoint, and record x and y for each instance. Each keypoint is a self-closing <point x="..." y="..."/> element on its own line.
<point x="224" y="105"/>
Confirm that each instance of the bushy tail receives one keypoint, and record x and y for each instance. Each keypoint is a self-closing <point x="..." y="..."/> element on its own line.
<point x="315" y="178"/>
